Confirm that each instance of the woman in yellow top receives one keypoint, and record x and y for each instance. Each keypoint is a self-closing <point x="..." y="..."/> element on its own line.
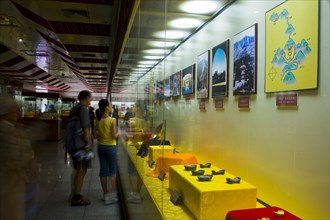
<point x="106" y="133"/>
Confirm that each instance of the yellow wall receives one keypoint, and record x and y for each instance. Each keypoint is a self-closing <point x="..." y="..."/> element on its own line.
<point x="285" y="153"/>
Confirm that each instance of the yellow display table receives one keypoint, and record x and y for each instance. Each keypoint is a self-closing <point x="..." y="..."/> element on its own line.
<point x="211" y="200"/>
<point x="156" y="151"/>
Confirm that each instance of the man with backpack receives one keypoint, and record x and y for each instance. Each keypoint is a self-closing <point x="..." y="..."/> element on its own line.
<point x="78" y="145"/>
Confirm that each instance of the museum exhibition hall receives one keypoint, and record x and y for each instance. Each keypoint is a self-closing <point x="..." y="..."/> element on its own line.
<point x="216" y="109"/>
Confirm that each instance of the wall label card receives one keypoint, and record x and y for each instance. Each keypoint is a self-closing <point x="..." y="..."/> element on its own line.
<point x="218" y="103"/>
<point x="287" y="99"/>
<point x="244" y="102"/>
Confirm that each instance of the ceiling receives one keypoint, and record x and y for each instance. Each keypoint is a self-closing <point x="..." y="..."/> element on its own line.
<point x="70" y="45"/>
<point x="159" y="27"/>
<point x="59" y="44"/>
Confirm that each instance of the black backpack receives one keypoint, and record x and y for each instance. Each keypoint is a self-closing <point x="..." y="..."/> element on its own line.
<point x="74" y="133"/>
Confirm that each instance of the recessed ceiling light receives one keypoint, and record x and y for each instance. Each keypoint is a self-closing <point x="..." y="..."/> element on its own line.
<point x="162" y="43"/>
<point x="256" y="12"/>
<point x="147" y="62"/>
<point x="171" y="34"/>
<point x="185" y="23"/>
<point x="143" y="65"/>
<point x="20" y="40"/>
<point x="155" y="51"/>
<point x="153" y="57"/>
<point x="200" y="7"/>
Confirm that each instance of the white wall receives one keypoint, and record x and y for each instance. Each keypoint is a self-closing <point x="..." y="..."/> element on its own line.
<point x="285" y="153"/>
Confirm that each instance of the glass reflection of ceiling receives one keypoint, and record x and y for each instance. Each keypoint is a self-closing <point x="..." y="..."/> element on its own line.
<point x="158" y="28"/>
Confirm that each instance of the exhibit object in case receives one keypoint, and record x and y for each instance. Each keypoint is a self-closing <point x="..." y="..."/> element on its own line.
<point x="292" y="46"/>
<point x="245" y="61"/>
<point x="203" y="75"/>
<point x="188" y="80"/>
<point x="220" y="69"/>
<point x="212" y="199"/>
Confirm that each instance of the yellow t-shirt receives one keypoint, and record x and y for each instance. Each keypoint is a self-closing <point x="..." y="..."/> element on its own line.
<point x="105" y="136"/>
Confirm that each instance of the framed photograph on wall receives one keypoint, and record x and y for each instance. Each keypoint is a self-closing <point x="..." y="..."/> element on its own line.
<point x="160" y="91"/>
<point x="203" y="75"/>
<point x="220" y="69"/>
<point x="245" y="61"/>
<point x="167" y="88"/>
<point x="292" y="46"/>
<point x="188" y="80"/>
<point x="176" y="84"/>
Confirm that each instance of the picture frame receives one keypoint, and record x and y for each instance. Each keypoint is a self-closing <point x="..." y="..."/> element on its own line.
<point x="291" y="61"/>
<point x="167" y="88"/>
<point x="220" y="69"/>
<point x="203" y="75"/>
<point x="176" y="84"/>
<point x="188" y="80"/>
<point x="245" y="62"/>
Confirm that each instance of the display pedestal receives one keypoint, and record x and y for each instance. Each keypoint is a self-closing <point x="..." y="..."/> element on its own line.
<point x="156" y="151"/>
<point x="164" y="162"/>
<point x="253" y="214"/>
<point x="211" y="200"/>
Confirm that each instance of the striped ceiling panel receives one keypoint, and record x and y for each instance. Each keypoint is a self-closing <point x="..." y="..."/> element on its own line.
<point x="17" y="67"/>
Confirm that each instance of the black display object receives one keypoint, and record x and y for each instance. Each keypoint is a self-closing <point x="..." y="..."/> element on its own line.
<point x="176" y="198"/>
<point x="197" y="172"/>
<point x="204" y="178"/>
<point x="190" y="167"/>
<point x="234" y="180"/>
<point x="151" y="163"/>
<point x="161" y="175"/>
<point x="220" y="172"/>
<point x="205" y="165"/>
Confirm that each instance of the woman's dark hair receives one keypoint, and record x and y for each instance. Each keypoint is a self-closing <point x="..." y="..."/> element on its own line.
<point x="84" y="94"/>
<point x="103" y="103"/>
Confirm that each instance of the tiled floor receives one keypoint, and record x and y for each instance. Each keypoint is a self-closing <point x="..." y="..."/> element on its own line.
<point x="53" y="189"/>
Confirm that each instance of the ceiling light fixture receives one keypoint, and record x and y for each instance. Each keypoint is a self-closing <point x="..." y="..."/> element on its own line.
<point x="162" y="44"/>
<point x="153" y="57"/>
<point x="155" y="51"/>
<point x="147" y="62"/>
<point x="185" y="23"/>
<point x="200" y="7"/>
<point x="20" y="40"/>
<point x="171" y="34"/>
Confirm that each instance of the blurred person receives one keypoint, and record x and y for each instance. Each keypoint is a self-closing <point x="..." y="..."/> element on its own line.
<point x="80" y="166"/>
<point x="127" y="116"/>
<point x="107" y="134"/>
<point x="18" y="163"/>
<point x="136" y="133"/>
<point x="97" y="114"/>
<point x="115" y="113"/>
<point x="92" y="118"/>
<point x="52" y="109"/>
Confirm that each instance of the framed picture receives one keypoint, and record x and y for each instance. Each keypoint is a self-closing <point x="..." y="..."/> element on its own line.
<point x="176" y="84"/>
<point x="292" y="46"/>
<point x="220" y="69"/>
<point x="167" y="88"/>
<point x="160" y="91"/>
<point x="188" y="80"/>
<point x="203" y="73"/>
<point x="245" y="61"/>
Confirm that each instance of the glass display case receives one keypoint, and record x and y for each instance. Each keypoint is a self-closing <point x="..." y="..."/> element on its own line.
<point x="67" y="105"/>
<point x="49" y="104"/>
<point x="29" y="107"/>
